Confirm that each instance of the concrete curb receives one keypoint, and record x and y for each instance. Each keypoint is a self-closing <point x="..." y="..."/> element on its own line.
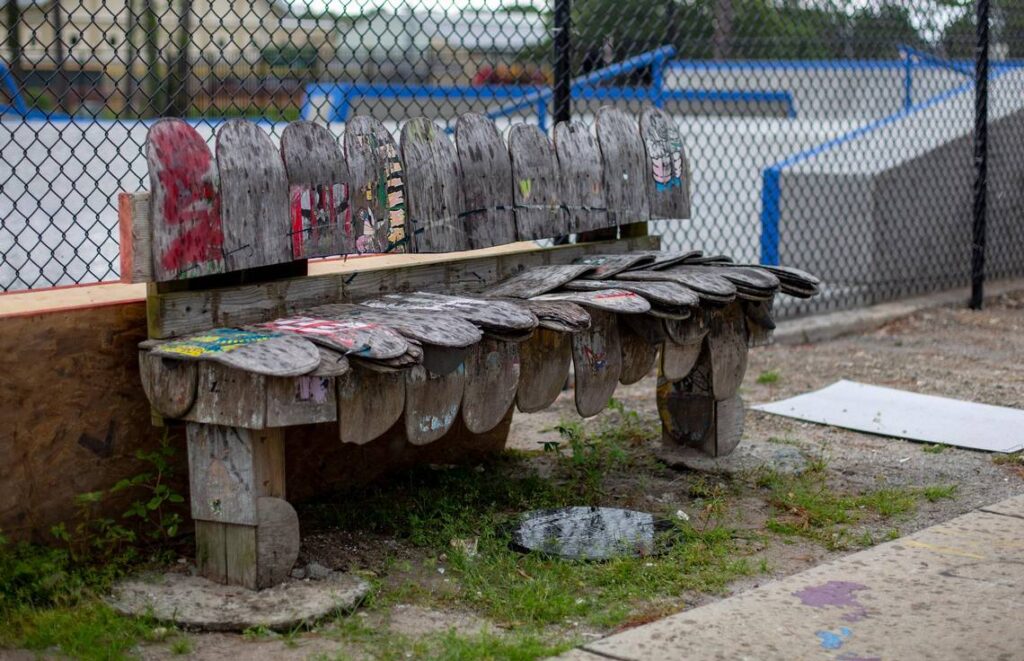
<point x="824" y="327"/>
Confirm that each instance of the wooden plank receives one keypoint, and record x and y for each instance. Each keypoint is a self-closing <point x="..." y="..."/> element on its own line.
<point x="211" y="551"/>
<point x="229" y="468"/>
<point x="619" y="301"/>
<point x="727" y="346"/>
<point x="709" y="287"/>
<point x="488" y="314"/>
<point x="561" y="316"/>
<point x="486" y="182"/>
<point x="624" y="161"/>
<point x="377" y="193"/>
<point x="536" y="185"/>
<point x="185" y="203"/>
<point x="664" y="293"/>
<point x="226" y="396"/>
<point x="538" y="280"/>
<point x="241" y="555"/>
<point x="581" y="177"/>
<point x="597" y="362"/>
<point x="544" y="368"/>
<point x="358" y="338"/>
<point x="492" y="377"/>
<point x="271" y="354"/>
<point x="318" y="189"/>
<point x="300" y="400"/>
<point x="760" y="321"/>
<point x="432" y="403"/>
<point x="605" y="266"/>
<point x="638" y="355"/>
<point x="369" y="403"/>
<point x="170" y="385"/>
<point x="433" y="188"/>
<point x="668" y="180"/>
<point x="418" y="325"/>
<point x="277" y="541"/>
<point x="174" y="314"/>
<point x="136" y="237"/>
<point x="253" y="197"/>
<point x="678" y="360"/>
<point x="729" y="414"/>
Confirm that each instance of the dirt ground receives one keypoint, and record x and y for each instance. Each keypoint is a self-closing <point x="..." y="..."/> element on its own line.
<point x="957" y="353"/>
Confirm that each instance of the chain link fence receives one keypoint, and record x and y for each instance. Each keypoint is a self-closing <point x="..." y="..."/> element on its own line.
<point x="834" y="136"/>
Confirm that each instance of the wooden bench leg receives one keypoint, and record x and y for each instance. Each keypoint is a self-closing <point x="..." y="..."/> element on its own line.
<point x="246" y="533"/>
<point x="691" y="416"/>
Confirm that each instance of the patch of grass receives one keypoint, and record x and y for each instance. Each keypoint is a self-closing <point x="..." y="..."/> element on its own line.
<point x="806" y="506"/>
<point x="934" y="448"/>
<point x="780" y="440"/>
<point x="937" y="492"/>
<point x="87" y="631"/>
<point x="181" y="646"/>
<point x="1012" y="459"/>
<point x="387" y="645"/>
<point x="768" y="377"/>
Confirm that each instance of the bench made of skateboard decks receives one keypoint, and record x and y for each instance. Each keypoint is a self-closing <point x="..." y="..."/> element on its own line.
<point x="244" y="342"/>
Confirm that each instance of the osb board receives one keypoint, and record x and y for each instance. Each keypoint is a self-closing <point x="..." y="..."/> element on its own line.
<point x="85" y="438"/>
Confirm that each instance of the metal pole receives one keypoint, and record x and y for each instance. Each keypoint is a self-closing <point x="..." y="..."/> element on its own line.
<point x="563" y="60"/>
<point x="980" y="155"/>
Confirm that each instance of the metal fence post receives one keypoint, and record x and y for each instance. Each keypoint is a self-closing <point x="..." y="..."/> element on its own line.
<point x="563" y="61"/>
<point x="980" y="156"/>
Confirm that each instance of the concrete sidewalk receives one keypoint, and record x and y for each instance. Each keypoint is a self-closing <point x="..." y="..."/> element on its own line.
<point x="952" y="591"/>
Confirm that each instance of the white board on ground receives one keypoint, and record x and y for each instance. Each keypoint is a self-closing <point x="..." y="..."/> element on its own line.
<point x="902" y="414"/>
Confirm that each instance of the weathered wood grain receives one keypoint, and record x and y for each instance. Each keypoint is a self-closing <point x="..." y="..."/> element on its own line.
<point x="377" y="192"/>
<point x="230" y="397"/>
<point x="664" y="293"/>
<point x="272" y="354"/>
<point x="486" y="182"/>
<point x="729" y="415"/>
<point x="431" y="403"/>
<point x="358" y="338"/>
<point x="536" y="186"/>
<point x="229" y="468"/>
<point x="211" y="551"/>
<point x="170" y="385"/>
<point x="597" y="363"/>
<point x="619" y="301"/>
<point x="709" y="287"/>
<point x="664" y="259"/>
<point x="135" y="233"/>
<point x="581" y="177"/>
<point x="668" y="179"/>
<point x="174" y="314"/>
<point x="185" y="203"/>
<point x="760" y="321"/>
<point x="300" y="400"/>
<point x="318" y="189"/>
<point x="562" y="316"/>
<point x="492" y="377"/>
<point x="277" y="541"/>
<point x="433" y="188"/>
<point x="690" y="330"/>
<point x="489" y="314"/>
<point x="369" y="403"/>
<point x="253" y="197"/>
<point x="624" y="161"/>
<point x="646" y="326"/>
<point x="727" y="346"/>
<point x="605" y="266"/>
<point x="442" y="360"/>
<point x="538" y="280"/>
<point x="638" y="355"/>
<point x="544" y="369"/>
<point x="418" y="325"/>
<point x="678" y="360"/>
<point x="332" y="363"/>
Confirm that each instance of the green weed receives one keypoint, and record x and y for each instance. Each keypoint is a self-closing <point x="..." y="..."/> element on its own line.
<point x="934" y="448"/>
<point x="937" y="492"/>
<point x="768" y="377"/>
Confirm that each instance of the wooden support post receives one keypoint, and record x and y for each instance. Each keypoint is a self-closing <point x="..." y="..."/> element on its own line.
<point x="246" y="534"/>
